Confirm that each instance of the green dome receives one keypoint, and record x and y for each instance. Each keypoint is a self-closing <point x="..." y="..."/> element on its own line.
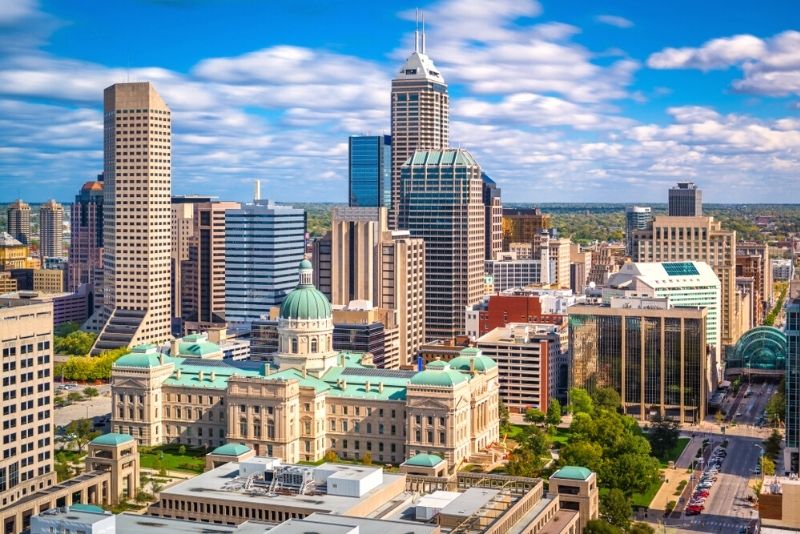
<point x="231" y="449"/>
<point x="140" y="356"/>
<point x="305" y="264"/>
<point x="438" y="376"/>
<point x="571" y="472"/>
<point x="304" y="303"/>
<point x="112" y="439"/>
<point x="472" y="357"/>
<point x="424" y="460"/>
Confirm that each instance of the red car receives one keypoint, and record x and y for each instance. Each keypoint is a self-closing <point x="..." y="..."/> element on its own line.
<point x="693" y="510"/>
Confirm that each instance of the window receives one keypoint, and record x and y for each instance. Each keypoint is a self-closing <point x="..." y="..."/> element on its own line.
<point x="314" y="345"/>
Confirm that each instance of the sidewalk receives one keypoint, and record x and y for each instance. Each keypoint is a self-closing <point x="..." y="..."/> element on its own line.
<point x="666" y="493"/>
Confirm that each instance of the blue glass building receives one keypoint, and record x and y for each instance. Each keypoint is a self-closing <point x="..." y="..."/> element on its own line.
<point x="370" y="171"/>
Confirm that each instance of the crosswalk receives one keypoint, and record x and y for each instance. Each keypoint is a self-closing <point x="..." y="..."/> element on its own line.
<point x="715" y="525"/>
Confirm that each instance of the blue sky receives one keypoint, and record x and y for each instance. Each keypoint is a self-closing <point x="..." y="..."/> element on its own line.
<point x="558" y="100"/>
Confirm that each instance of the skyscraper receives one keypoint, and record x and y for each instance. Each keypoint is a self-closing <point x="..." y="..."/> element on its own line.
<point x="19" y="221"/>
<point x="685" y="200"/>
<point x="51" y="230"/>
<point x="636" y="218"/>
<point x="370" y="171"/>
<point x="492" y="218"/>
<point x="183" y="227"/>
<point x="420" y="114"/>
<point x="264" y="242"/>
<point x="86" y="236"/>
<point x="136" y="218"/>
<point x="440" y="201"/>
<point x="791" y="453"/>
<point x="523" y="225"/>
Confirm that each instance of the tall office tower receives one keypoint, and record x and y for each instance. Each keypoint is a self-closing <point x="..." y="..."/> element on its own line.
<point x="757" y="253"/>
<point x="440" y="201"/>
<point x="26" y="329"/>
<point x="559" y="258"/>
<point x="136" y="218"/>
<point x="685" y="200"/>
<point x="681" y="239"/>
<point x="51" y="230"/>
<point x="523" y="225"/>
<point x="264" y="242"/>
<point x="370" y="171"/>
<point x="636" y="218"/>
<point x="203" y="273"/>
<point x="420" y="115"/>
<point x="321" y="260"/>
<point x="86" y="236"/>
<point x="652" y="354"/>
<point x="492" y="218"/>
<point x="19" y="221"/>
<point x="183" y="227"/>
<point x="580" y="265"/>
<point x="369" y="262"/>
<point x="791" y="452"/>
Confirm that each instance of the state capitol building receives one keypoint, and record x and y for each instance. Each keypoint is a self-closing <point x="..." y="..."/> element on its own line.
<point x="310" y="400"/>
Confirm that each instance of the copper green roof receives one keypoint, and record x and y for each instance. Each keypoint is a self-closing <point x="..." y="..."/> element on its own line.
<point x="472" y="358"/>
<point x="572" y="472"/>
<point x="231" y="449"/>
<point x="197" y="348"/>
<point x="305" y="264"/>
<point x="438" y="377"/>
<point x="140" y="356"/>
<point x="449" y="156"/>
<point x="305" y="302"/>
<point x="424" y="460"/>
<point x="90" y="508"/>
<point x="112" y="439"/>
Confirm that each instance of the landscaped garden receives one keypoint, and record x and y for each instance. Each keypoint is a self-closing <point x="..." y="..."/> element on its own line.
<point x="173" y="458"/>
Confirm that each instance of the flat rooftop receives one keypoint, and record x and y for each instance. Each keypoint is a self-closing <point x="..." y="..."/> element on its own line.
<point x="210" y="485"/>
<point x="332" y="524"/>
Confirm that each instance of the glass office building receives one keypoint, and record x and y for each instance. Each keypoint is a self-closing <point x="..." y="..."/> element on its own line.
<point x="654" y="358"/>
<point x="370" y="171"/>
<point x="792" y="330"/>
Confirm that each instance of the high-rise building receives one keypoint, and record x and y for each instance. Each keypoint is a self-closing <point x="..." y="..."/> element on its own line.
<point x="360" y="327"/>
<point x="203" y="273"/>
<point x="686" y="239"/>
<point x="19" y="221"/>
<point x="86" y="236"/>
<point x="523" y="225"/>
<point x="370" y="263"/>
<point x="26" y="329"/>
<point x="51" y="230"/>
<point x="791" y="452"/>
<point x="652" y="354"/>
<point x="508" y="271"/>
<point x="321" y="254"/>
<point x="580" y="265"/>
<point x="762" y="273"/>
<point x="370" y="171"/>
<point x="559" y="258"/>
<point x="492" y="218"/>
<point x="685" y="200"/>
<point x="263" y="244"/>
<point x="420" y="114"/>
<point x="440" y="201"/>
<point x="183" y="227"/>
<point x="137" y="156"/>
<point x="636" y="218"/>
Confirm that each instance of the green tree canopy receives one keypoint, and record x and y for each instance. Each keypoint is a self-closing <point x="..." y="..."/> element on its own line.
<point x="607" y="397"/>
<point x="535" y="415"/>
<point x="615" y="508"/>
<point x="598" y="526"/>
<point x="663" y="434"/>
<point x="554" y="413"/>
<point x="580" y="401"/>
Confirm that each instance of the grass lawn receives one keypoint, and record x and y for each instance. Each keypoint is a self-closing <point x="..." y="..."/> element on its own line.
<point x="643" y="499"/>
<point x="561" y="436"/>
<point x="514" y="431"/>
<point x="675" y="452"/>
<point x="193" y="460"/>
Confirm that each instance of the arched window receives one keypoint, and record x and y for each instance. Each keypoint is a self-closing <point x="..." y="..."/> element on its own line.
<point x="294" y="346"/>
<point x="314" y="345"/>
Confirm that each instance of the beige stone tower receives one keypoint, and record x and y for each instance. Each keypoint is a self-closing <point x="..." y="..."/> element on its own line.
<point x="51" y="230"/>
<point x="420" y="114"/>
<point x="137" y="230"/>
<point x="19" y="222"/>
<point x="119" y="454"/>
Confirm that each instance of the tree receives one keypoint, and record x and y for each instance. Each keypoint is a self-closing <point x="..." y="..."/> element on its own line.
<point x="554" y="413"/>
<point x="607" y="398"/>
<point x="641" y="528"/>
<point x="615" y="508"/>
<point x="74" y="396"/>
<point x="502" y="410"/>
<point x="367" y="458"/>
<point x="63" y="469"/>
<point x="156" y="486"/>
<point x="631" y="472"/>
<point x="331" y="456"/>
<point x="772" y="446"/>
<point x="535" y="416"/>
<point x="584" y="453"/>
<point x="776" y="406"/>
<point x="664" y="434"/>
<point x="182" y="450"/>
<point x="75" y="343"/>
<point x="91" y="392"/>
<point x="81" y="432"/>
<point x="767" y="466"/>
<point x="598" y="526"/>
<point x="719" y="417"/>
<point x="580" y="401"/>
<point x="524" y="463"/>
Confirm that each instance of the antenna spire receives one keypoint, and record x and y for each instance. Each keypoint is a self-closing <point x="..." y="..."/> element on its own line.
<point x="416" y="34"/>
<point x="423" y="33"/>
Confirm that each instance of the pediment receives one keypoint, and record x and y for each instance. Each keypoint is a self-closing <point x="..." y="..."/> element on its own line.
<point x="428" y="404"/>
<point x="127" y="383"/>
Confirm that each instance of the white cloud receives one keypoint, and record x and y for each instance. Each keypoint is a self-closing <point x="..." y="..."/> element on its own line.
<point x="715" y="54"/>
<point x="614" y="20"/>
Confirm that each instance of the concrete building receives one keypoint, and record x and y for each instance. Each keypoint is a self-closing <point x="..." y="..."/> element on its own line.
<point x="51" y="230"/>
<point x="753" y="260"/>
<point x="508" y="271"/>
<point x="685" y="284"/>
<point x="370" y="171"/>
<point x="13" y="254"/>
<point x="26" y="337"/>
<point x="782" y="270"/>
<point x="263" y="244"/>
<point x="136" y="219"/>
<point x="311" y="399"/>
<point x="651" y="353"/>
<point x="580" y="265"/>
<point x="361" y="327"/>
<point x="321" y="257"/>
<point x="791" y="451"/>
<point x="492" y="216"/>
<point x="750" y="268"/>
<point x="522" y="225"/>
<point x="685" y="200"/>
<point x="18" y="221"/>
<point x="441" y="349"/>
<point x="183" y="227"/>
<point x="559" y="257"/>
<point x="420" y="115"/>
<point x="528" y="357"/>
<point x="518" y="306"/>
<point x="606" y="260"/>
<point x="577" y="490"/>
<point x="698" y="239"/>
<point x="86" y="238"/>
<point x="370" y="263"/>
<point x="440" y="202"/>
<point x="7" y="283"/>
<point x="636" y="218"/>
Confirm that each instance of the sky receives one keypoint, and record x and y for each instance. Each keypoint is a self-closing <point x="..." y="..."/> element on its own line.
<point x="558" y="100"/>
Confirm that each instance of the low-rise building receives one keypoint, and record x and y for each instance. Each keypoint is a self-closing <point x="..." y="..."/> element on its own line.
<point x="518" y="305"/>
<point x="782" y="270"/>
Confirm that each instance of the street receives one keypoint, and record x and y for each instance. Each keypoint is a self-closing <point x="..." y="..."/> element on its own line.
<point x="89" y="408"/>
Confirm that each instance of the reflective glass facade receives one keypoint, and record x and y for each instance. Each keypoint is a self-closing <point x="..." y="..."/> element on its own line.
<point x="655" y="359"/>
<point x="370" y="171"/>
<point x="792" y="331"/>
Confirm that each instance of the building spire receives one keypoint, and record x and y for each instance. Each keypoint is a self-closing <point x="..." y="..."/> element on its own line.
<point x="423" y="33"/>
<point x="416" y="34"/>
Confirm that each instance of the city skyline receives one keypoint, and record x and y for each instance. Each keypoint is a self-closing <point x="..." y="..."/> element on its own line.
<point x="606" y="102"/>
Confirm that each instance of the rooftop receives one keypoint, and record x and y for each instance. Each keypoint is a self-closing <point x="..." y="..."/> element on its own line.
<point x="231" y="449"/>
<point x="112" y="439"/>
<point x="572" y="472"/>
<point x="449" y="156"/>
<point x="424" y="460"/>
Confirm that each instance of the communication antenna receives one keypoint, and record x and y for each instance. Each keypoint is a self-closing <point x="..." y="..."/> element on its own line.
<point x="423" y="33"/>
<point x="416" y="34"/>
